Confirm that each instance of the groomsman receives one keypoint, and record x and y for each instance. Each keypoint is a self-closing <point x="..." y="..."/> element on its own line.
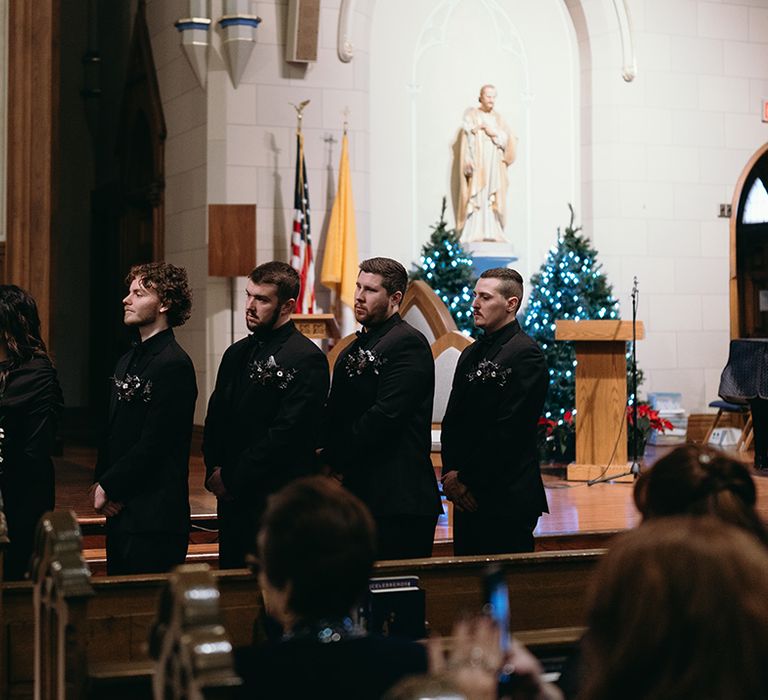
<point x="143" y="465"/>
<point x="379" y="416"/>
<point x="490" y="460"/>
<point x="261" y="430"/>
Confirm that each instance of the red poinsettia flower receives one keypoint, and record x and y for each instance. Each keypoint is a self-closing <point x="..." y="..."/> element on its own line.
<point x="648" y="419"/>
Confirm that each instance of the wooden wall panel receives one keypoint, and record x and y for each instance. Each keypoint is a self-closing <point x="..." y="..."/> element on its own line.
<point x="231" y="239"/>
<point x="33" y="99"/>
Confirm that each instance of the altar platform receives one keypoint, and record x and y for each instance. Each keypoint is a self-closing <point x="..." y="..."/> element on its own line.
<point x="581" y="516"/>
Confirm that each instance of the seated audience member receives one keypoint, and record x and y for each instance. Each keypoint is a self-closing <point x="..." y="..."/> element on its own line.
<point x="679" y="609"/>
<point x="697" y="480"/>
<point x="316" y="550"/>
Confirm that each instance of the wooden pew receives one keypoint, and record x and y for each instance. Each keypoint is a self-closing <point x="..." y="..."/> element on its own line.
<point x="547" y="590"/>
<point x="547" y="601"/>
<point x="193" y="652"/>
<point x="111" y="629"/>
<point x="62" y="587"/>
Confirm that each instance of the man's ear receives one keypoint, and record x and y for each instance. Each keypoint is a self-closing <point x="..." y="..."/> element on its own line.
<point x="513" y="304"/>
<point x="289" y="306"/>
<point x="397" y="298"/>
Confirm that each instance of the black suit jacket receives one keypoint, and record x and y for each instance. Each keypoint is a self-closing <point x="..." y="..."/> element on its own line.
<point x="144" y="460"/>
<point x="296" y="669"/>
<point x="378" y="421"/>
<point x="260" y="433"/>
<point x="489" y="429"/>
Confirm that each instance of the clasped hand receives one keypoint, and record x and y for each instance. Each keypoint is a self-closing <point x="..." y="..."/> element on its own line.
<point x="458" y="493"/>
<point x="101" y="504"/>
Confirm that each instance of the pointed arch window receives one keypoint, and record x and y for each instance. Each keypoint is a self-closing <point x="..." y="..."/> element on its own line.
<point x="756" y="204"/>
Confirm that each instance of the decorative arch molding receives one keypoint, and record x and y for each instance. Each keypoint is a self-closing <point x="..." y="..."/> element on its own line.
<point x="432" y="35"/>
<point x="737" y="204"/>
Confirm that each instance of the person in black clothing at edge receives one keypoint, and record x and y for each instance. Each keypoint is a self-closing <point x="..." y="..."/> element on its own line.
<point x="30" y="405"/>
<point x="261" y="430"/>
<point x="379" y="416"/>
<point x="490" y="459"/>
<point x="142" y="472"/>
<point x="316" y="551"/>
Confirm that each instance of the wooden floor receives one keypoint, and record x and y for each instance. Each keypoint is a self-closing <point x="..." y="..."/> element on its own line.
<point x="580" y="516"/>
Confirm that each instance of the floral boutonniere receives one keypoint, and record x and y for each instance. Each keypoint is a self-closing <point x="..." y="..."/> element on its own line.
<point x="360" y="361"/>
<point x="132" y="386"/>
<point x="269" y="373"/>
<point x="488" y="372"/>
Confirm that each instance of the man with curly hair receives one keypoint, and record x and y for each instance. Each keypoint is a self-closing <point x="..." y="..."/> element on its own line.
<point x="143" y="465"/>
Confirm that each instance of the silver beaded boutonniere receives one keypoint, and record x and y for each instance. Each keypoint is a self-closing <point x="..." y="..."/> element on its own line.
<point x="362" y="361"/>
<point x="269" y="373"/>
<point x="132" y="386"/>
<point x="488" y="372"/>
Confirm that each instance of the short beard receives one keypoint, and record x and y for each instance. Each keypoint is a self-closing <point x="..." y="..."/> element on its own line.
<point x="265" y="327"/>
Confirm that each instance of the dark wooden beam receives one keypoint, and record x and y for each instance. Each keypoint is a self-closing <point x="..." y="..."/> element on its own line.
<point x="32" y="148"/>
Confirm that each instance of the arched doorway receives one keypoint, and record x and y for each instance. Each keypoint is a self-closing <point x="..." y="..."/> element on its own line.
<point x="749" y="250"/>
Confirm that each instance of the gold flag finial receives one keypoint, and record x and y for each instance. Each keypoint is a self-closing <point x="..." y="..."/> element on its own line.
<point x="299" y="112"/>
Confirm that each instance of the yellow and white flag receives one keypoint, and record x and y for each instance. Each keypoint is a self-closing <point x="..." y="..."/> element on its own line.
<point x="340" y="262"/>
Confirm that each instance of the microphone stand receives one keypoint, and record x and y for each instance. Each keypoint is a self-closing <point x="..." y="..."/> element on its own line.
<point x="634" y="467"/>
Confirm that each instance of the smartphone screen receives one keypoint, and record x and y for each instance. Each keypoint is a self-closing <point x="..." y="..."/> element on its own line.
<point x="497" y="603"/>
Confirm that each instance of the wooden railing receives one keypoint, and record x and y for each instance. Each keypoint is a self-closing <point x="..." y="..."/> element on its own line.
<point x="90" y="636"/>
<point x="189" y="643"/>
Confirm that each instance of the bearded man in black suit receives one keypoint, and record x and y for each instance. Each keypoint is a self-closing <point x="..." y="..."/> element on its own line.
<point x="490" y="459"/>
<point x="262" y="426"/>
<point x="142" y="470"/>
<point x="379" y="416"/>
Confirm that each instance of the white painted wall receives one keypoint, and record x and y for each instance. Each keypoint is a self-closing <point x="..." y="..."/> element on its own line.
<point x="238" y="146"/>
<point x="427" y="70"/>
<point x="666" y="149"/>
<point x="645" y="163"/>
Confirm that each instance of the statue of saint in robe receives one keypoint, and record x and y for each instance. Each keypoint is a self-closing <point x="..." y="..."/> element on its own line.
<point x="487" y="150"/>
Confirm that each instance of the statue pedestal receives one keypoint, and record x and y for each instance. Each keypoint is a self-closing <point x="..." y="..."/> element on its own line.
<point x="489" y="254"/>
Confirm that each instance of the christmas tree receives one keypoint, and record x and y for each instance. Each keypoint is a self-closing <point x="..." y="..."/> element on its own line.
<point x="569" y="285"/>
<point x="447" y="268"/>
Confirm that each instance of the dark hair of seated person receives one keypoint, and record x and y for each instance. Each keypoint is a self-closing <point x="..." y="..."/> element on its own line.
<point x="316" y="551"/>
<point x="699" y="480"/>
<point x="679" y="609"/>
<point x="318" y="540"/>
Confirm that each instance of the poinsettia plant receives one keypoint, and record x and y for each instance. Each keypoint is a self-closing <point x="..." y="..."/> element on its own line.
<point x="648" y="420"/>
<point x="557" y="438"/>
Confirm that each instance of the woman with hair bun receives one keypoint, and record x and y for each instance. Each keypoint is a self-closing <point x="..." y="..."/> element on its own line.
<point x="30" y="404"/>
<point x="697" y="480"/>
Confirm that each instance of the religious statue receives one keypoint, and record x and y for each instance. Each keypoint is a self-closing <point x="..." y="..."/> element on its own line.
<point x="487" y="147"/>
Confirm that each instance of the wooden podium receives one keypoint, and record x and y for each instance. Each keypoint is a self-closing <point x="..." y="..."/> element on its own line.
<point x="317" y="326"/>
<point x="601" y="395"/>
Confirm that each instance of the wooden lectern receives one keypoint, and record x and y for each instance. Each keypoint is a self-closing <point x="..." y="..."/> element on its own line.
<point x="317" y="326"/>
<point x="601" y="395"/>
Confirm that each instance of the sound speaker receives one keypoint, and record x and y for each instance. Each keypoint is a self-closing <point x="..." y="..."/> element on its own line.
<point x="302" y="32"/>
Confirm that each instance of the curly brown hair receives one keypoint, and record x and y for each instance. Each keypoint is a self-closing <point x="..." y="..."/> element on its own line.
<point x="171" y="285"/>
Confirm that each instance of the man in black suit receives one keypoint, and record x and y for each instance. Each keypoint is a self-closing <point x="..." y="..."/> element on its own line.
<point x="143" y="466"/>
<point x="379" y="416"/>
<point x="490" y="460"/>
<point x="261" y="430"/>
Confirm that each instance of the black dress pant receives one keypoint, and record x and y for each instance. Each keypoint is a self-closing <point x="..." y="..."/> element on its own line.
<point x="238" y="526"/>
<point x="405" y="536"/>
<point x="759" y="409"/>
<point x="476" y="533"/>
<point x="145" y="552"/>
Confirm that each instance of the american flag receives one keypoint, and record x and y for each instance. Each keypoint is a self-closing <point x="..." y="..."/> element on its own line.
<point x="302" y="259"/>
